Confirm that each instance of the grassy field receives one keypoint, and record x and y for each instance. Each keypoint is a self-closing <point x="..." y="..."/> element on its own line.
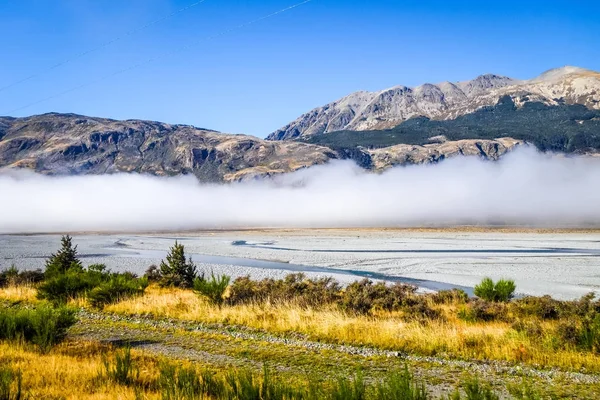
<point x="73" y="369"/>
<point x="76" y="332"/>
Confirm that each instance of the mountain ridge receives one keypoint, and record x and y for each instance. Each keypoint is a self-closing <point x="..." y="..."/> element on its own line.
<point x="360" y="111"/>
<point x="72" y="144"/>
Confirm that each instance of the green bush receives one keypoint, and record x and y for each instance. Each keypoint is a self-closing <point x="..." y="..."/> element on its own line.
<point x="453" y="296"/>
<point x="364" y="296"/>
<point x="100" y="286"/>
<point x="293" y="288"/>
<point x="175" y="270"/>
<point x="589" y="336"/>
<point x="501" y="291"/>
<point x="13" y="277"/>
<point x="544" y="307"/>
<point x="482" y="310"/>
<point x="119" y="287"/>
<point x="213" y="289"/>
<point x="63" y="261"/>
<point x="11" y="382"/>
<point x="43" y="326"/>
<point x="63" y="287"/>
<point x="153" y="274"/>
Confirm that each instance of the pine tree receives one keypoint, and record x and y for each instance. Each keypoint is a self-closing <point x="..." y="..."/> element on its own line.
<point x="175" y="271"/>
<point x="64" y="260"/>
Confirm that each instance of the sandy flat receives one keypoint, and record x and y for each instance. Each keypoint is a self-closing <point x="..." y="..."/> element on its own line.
<point x="563" y="263"/>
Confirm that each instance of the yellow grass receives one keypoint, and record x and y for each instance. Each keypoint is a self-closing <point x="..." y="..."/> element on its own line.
<point x="68" y="372"/>
<point x="15" y="294"/>
<point x="451" y="338"/>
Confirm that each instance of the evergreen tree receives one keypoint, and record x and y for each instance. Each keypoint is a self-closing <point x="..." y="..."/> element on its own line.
<point x="175" y="271"/>
<point x="64" y="260"/>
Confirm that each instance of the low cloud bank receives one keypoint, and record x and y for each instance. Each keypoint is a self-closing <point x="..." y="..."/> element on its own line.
<point x="524" y="188"/>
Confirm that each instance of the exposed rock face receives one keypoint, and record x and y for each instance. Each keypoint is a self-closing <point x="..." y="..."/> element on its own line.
<point x="362" y="111"/>
<point x="74" y="144"/>
<point x="403" y="154"/>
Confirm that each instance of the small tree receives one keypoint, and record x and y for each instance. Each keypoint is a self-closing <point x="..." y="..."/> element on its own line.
<point x="64" y="260"/>
<point x="501" y="291"/>
<point x="213" y="289"/>
<point x="175" y="270"/>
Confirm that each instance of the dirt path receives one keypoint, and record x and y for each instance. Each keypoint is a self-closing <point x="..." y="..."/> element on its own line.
<point x="226" y="346"/>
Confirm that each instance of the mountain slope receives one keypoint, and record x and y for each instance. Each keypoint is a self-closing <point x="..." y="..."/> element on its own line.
<point x="362" y="111"/>
<point x="75" y="144"/>
<point x="560" y="128"/>
<point x="61" y="144"/>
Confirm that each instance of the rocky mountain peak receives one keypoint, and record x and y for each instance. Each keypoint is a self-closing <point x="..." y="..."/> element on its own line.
<point x="484" y="83"/>
<point x="388" y="108"/>
<point x="562" y="72"/>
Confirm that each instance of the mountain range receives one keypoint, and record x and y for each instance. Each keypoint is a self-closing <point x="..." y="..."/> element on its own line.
<point x="485" y="117"/>
<point x="362" y="111"/>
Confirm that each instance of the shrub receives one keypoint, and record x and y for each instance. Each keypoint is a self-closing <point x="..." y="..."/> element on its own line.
<point x="11" y="382"/>
<point x="63" y="261"/>
<point x="213" y="288"/>
<point x="244" y="290"/>
<point x="117" y="288"/>
<point x="153" y="274"/>
<point x="364" y="296"/>
<point x="121" y="369"/>
<point x="13" y="277"/>
<point x="43" y="326"/>
<point x="60" y="288"/>
<point x="96" y="283"/>
<point x="481" y="310"/>
<point x="293" y="288"/>
<point x="50" y="326"/>
<point x="589" y="336"/>
<point x="453" y="296"/>
<point x="176" y="271"/>
<point x="531" y="329"/>
<point x="544" y="307"/>
<point x="567" y="332"/>
<point x="501" y="291"/>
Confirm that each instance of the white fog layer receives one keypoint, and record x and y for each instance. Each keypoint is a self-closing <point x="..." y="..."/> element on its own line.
<point x="523" y="188"/>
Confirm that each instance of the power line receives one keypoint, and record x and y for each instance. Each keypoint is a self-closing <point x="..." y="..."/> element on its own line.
<point x="101" y="46"/>
<point x="150" y="60"/>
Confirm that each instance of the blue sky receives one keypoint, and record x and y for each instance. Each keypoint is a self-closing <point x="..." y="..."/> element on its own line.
<point x="258" y="78"/>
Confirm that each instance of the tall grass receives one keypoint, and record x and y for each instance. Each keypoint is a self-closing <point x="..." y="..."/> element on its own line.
<point x="11" y="382"/>
<point x="121" y="368"/>
<point x="400" y="385"/>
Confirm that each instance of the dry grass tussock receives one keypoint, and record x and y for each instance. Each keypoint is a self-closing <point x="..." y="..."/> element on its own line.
<point x="70" y="371"/>
<point x="15" y="294"/>
<point x="448" y="337"/>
